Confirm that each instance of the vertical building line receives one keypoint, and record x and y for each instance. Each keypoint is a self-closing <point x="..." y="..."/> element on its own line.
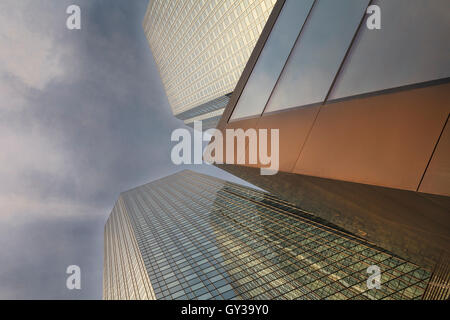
<point x="358" y="29"/>
<point x="432" y="153"/>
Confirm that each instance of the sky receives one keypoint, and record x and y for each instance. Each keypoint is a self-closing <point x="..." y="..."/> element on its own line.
<point x="83" y="117"/>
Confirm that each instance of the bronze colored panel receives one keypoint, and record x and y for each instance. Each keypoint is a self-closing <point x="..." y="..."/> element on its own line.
<point x="244" y="125"/>
<point x="384" y="140"/>
<point x="437" y="176"/>
<point x="293" y="126"/>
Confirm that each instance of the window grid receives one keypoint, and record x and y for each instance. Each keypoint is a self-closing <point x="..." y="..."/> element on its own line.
<point x="203" y="238"/>
<point x="202" y="47"/>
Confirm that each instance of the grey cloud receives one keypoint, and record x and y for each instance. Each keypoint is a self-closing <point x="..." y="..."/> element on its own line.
<point x="75" y="138"/>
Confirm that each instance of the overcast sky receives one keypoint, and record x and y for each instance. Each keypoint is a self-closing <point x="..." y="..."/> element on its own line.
<point x="83" y="117"/>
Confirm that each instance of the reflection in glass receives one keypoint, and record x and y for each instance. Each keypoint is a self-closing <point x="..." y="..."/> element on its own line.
<point x="412" y="46"/>
<point x="272" y="59"/>
<point x="318" y="53"/>
<point x="204" y="238"/>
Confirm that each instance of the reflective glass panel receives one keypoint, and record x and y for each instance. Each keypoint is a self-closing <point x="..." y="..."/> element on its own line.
<point x="412" y="46"/>
<point x="318" y="53"/>
<point x="272" y="59"/>
<point x="191" y="236"/>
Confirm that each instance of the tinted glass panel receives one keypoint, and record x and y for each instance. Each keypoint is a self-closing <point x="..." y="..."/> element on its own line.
<point x="272" y="59"/>
<point x="412" y="46"/>
<point x="204" y="238"/>
<point x="318" y="53"/>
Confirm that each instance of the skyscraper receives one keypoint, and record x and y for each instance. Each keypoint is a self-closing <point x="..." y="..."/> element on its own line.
<point x="201" y="48"/>
<point x="191" y="236"/>
<point x="362" y="115"/>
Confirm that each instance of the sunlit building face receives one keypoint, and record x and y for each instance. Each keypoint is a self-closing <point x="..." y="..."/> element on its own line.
<point x="191" y="236"/>
<point x="201" y="48"/>
<point x="359" y="112"/>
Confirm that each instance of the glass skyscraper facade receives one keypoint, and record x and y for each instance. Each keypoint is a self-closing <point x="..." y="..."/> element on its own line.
<point x="191" y="236"/>
<point x="201" y="48"/>
<point x="361" y="116"/>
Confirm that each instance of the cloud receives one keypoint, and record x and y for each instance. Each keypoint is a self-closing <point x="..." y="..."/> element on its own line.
<point x="36" y="253"/>
<point x="29" y="152"/>
<point x="83" y="117"/>
<point x="28" y="149"/>
<point x="31" y="59"/>
<point x="27" y="51"/>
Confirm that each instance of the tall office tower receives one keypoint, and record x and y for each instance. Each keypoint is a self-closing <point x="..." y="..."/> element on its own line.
<point x="201" y="48"/>
<point x="191" y="236"/>
<point x="362" y="116"/>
